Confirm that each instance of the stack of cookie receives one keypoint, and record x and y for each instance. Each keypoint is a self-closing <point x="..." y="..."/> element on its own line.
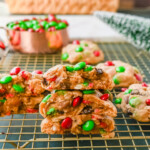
<point x="20" y="92"/>
<point x="80" y="101"/>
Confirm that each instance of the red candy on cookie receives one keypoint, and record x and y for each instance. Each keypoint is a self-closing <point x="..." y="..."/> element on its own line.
<point x="66" y="123"/>
<point x="24" y="74"/>
<point x="76" y="101"/>
<point x="96" y="53"/>
<point x="104" y="97"/>
<point x="148" y="101"/>
<point x="123" y="89"/>
<point x="76" y="42"/>
<point x="138" y="77"/>
<point x="15" y="71"/>
<point x="144" y="84"/>
<point x="103" y="125"/>
<point x="37" y="72"/>
<point x="109" y="63"/>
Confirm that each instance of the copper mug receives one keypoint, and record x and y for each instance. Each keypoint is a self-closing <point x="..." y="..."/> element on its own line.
<point x="35" y="42"/>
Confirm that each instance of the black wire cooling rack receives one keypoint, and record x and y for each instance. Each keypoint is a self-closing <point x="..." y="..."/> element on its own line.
<point x="22" y="131"/>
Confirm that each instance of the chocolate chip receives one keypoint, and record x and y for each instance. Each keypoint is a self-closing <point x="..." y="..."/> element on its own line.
<point x="87" y="110"/>
<point x="45" y="81"/>
<point x="60" y="111"/>
<point x="129" y="113"/>
<point x="135" y="92"/>
<point x="99" y="71"/>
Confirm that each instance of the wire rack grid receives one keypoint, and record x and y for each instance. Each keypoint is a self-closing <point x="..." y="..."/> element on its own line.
<point x="22" y="131"/>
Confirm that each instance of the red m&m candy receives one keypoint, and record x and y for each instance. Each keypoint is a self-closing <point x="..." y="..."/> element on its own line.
<point x="76" y="42"/>
<point x="104" y="97"/>
<point x="51" y="18"/>
<point x="148" y="101"/>
<point x="144" y="84"/>
<point x="66" y="123"/>
<point x="66" y="22"/>
<point x="96" y="53"/>
<point x="76" y="101"/>
<point x="109" y="63"/>
<point x="16" y="28"/>
<point x="2" y="45"/>
<point x="138" y="77"/>
<point x="86" y="102"/>
<point x="103" y="125"/>
<point x="24" y="75"/>
<point x="30" y="30"/>
<point x="30" y="110"/>
<point x="52" y="79"/>
<point x="40" y="30"/>
<point x="15" y="71"/>
<point x="123" y="89"/>
<point x="37" y="72"/>
<point x="51" y="29"/>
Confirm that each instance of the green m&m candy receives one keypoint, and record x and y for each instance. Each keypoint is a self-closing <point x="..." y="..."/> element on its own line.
<point x="134" y="101"/>
<point x="86" y="83"/>
<point x="3" y="100"/>
<point x="88" y="68"/>
<point x="116" y="81"/>
<point x="44" y="23"/>
<point x="11" y="25"/>
<point x="5" y="80"/>
<point x="53" y="23"/>
<point x="118" y="101"/>
<point x="88" y="125"/>
<point x="128" y="91"/>
<point x="60" y="92"/>
<point x="61" y="25"/>
<point x="45" y="99"/>
<point x="64" y="56"/>
<point x="29" y="24"/>
<point x="79" y="66"/>
<point x="23" y="26"/>
<point x="84" y="44"/>
<point x="51" y="111"/>
<point x="79" y="49"/>
<point x="34" y="21"/>
<point x="36" y="27"/>
<point x="70" y="68"/>
<point x="120" y="69"/>
<point x="18" y="88"/>
<point x="88" y="91"/>
<point x="102" y="131"/>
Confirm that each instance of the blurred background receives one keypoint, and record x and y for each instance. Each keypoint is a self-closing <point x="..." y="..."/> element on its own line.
<point x="81" y="24"/>
<point x="137" y="7"/>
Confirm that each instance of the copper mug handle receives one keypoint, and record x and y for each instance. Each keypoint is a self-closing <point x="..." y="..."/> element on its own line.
<point x="7" y="46"/>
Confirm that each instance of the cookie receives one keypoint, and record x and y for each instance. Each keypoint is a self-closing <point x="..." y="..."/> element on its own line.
<point x="62" y="102"/>
<point x="78" y="112"/>
<point x="135" y="101"/>
<point x="20" y="92"/>
<point x="80" y="124"/>
<point x="80" y="51"/>
<point x="21" y="83"/>
<point x="122" y="74"/>
<point x="78" y="77"/>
